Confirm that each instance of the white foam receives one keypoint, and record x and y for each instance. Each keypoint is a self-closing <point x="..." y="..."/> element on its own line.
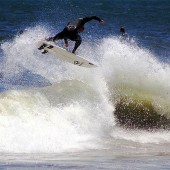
<point x="78" y="110"/>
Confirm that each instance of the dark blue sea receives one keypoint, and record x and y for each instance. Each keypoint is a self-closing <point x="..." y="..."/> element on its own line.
<point x="56" y="115"/>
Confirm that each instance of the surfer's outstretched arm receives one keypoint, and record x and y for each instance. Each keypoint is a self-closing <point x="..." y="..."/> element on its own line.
<point x="87" y="19"/>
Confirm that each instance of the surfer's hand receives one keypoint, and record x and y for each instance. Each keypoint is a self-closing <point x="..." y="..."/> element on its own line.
<point x="101" y="22"/>
<point x="66" y="45"/>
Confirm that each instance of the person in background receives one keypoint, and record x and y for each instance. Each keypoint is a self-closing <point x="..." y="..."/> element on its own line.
<point x="122" y="31"/>
<point x="123" y="34"/>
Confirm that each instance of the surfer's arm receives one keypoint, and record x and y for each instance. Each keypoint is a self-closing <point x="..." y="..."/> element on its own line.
<point x="87" y="19"/>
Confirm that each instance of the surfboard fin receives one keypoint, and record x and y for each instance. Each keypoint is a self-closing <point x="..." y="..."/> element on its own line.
<point x="42" y="46"/>
<point x="44" y="52"/>
<point x="50" y="47"/>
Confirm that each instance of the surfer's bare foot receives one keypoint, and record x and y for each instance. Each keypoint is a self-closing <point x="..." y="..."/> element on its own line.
<point x="49" y="39"/>
<point x="74" y="51"/>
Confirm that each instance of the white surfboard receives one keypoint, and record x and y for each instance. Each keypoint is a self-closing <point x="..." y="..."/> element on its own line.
<point x="65" y="55"/>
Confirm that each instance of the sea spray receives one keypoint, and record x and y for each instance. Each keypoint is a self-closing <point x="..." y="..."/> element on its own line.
<point x="66" y="116"/>
<point x="134" y="72"/>
<point x="77" y="111"/>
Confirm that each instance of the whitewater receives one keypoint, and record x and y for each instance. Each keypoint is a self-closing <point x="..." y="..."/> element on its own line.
<point x="75" y="111"/>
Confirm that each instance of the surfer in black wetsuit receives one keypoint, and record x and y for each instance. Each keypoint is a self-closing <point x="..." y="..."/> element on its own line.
<point x="72" y="30"/>
<point x="122" y="31"/>
<point x="123" y="34"/>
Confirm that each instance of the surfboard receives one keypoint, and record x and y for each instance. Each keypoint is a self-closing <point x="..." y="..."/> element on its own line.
<point x="51" y="48"/>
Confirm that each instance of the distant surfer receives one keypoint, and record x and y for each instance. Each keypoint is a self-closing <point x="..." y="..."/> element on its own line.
<point x="72" y="30"/>
<point x="122" y="31"/>
<point x="123" y="34"/>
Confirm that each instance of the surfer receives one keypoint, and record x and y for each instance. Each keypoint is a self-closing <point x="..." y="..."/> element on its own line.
<point x="72" y="30"/>
<point x="123" y="34"/>
<point x="122" y="31"/>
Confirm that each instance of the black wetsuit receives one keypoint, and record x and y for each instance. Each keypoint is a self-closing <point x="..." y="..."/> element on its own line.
<point x="72" y="29"/>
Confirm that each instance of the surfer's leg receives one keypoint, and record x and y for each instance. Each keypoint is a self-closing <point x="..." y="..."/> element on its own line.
<point x="58" y="36"/>
<point x="55" y="38"/>
<point x="77" y="44"/>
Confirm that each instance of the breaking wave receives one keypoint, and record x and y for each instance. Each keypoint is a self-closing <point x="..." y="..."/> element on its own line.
<point x="78" y="107"/>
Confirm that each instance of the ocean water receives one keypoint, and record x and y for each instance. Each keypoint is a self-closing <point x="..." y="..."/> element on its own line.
<point x="54" y="115"/>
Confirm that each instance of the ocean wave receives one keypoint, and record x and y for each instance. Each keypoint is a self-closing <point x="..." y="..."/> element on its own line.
<point x="138" y="83"/>
<point x="129" y="88"/>
<point x="68" y="115"/>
